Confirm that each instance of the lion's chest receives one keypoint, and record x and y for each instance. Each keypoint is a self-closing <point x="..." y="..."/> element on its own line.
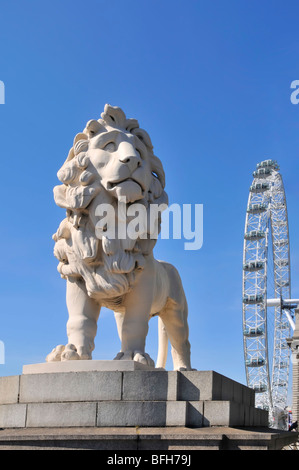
<point x="116" y="304"/>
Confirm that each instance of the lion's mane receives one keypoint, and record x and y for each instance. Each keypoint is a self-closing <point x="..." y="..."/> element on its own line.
<point x="107" y="266"/>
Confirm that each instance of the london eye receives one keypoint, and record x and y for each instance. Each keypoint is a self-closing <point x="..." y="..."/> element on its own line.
<point x="268" y="309"/>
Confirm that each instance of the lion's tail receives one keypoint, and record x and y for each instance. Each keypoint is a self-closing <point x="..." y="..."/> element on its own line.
<point x="162" y="344"/>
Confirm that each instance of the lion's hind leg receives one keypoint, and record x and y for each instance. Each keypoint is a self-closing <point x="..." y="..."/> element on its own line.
<point x="163" y="344"/>
<point x="174" y="316"/>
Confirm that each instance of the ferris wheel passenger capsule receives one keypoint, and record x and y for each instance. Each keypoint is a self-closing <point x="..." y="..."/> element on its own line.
<point x="253" y="299"/>
<point x="254" y="235"/>
<point x="259" y="187"/>
<point x="282" y="262"/>
<point x="260" y="388"/>
<point x="256" y="208"/>
<point x="253" y="331"/>
<point x="255" y="362"/>
<point x="282" y="242"/>
<point x="262" y="173"/>
<point x="253" y="266"/>
<point x="268" y="164"/>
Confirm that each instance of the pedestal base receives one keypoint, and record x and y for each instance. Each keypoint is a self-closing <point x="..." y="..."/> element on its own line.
<point x="76" y="405"/>
<point x="132" y="440"/>
<point x="118" y="398"/>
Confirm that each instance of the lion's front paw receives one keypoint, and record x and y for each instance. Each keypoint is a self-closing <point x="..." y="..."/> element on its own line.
<point x="67" y="353"/>
<point x="70" y="353"/>
<point x="55" y="354"/>
<point x="137" y="356"/>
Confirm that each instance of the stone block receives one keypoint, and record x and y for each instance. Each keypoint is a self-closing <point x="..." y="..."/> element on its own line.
<point x="176" y="413"/>
<point x="223" y="413"/>
<point x="70" y="386"/>
<point x="194" y="414"/>
<point x="13" y="416"/>
<point x="227" y="388"/>
<point x="148" y="385"/>
<point x="248" y="396"/>
<point x="260" y="417"/>
<point x="61" y="414"/>
<point x="199" y="385"/>
<point x="131" y="413"/>
<point x="234" y="391"/>
<point x="264" y="418"/>
<point x="209" y="385"/>
<point x="248" y="415"/>
<point x="9" y="389"/>
<point x="237" y="392"/>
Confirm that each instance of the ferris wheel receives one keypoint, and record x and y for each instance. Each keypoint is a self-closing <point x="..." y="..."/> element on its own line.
<point x="267" y="304"/>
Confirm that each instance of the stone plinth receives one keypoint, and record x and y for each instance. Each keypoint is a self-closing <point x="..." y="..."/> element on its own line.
<point x="124" y="398"/>
<point x="84" y="366"/>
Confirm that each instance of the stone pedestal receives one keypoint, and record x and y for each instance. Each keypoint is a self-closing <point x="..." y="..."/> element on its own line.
<point x="75" y="405"/>
<point x="63" y="394"/>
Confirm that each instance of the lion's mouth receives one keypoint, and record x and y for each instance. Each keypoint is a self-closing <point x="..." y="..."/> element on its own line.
<point x="113" y="184"/>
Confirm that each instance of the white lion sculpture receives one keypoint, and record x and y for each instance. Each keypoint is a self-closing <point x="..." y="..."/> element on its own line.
<point x="112" y="161"/>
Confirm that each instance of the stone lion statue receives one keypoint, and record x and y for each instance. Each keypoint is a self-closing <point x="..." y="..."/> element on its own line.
<point x="111" y="164"/>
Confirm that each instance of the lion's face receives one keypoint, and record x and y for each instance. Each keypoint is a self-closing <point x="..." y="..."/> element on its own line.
<point x="121" y="161"/>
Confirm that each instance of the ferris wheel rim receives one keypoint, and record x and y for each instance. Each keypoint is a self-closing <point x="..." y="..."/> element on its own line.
<point x="264" y="222"/>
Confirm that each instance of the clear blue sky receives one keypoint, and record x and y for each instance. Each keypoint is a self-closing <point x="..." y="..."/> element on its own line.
<point x="209" y="81"/>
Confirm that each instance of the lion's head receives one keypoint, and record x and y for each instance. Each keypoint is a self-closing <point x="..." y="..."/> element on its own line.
<point x="111" y="161"/>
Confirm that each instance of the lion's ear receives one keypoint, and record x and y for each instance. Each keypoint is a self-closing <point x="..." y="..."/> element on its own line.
<point x="80" y="143"/>
<point x="144" y="137"/>
<point x="157" y="168"/>
<point x="80" y="136"/>
<point x="156" y="188"/>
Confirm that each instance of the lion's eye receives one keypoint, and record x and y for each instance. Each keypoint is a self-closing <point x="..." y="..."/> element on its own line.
<point x="110" y="147"/>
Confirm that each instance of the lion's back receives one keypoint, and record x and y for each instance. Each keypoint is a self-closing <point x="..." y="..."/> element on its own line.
<point x="174" y="282"/>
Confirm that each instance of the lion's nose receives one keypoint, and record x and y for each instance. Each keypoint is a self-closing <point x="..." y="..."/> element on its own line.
<point x="134" y="160"/>
<point x="125" y="160"/>
<point x="129" y="155"/>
